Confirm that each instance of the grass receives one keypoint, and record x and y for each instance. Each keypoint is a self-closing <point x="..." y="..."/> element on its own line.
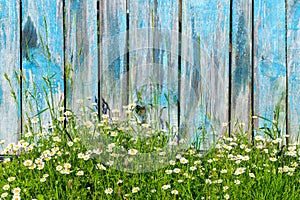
<point x="79" y="156"/>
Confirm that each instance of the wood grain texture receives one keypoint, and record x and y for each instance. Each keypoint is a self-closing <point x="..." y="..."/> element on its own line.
<point x="42" y="55"/>
<point x="165" y="54"/>
<point x="10" y="57"/>
<point x="81" y="52"/>
<point x="113" y="64"/>
<point x="269" y="60"/>
<point x="241" y="69"/>
<point x="206" y="66"/>
<point x="293" y="56"/>
<point x="141" y="61"/>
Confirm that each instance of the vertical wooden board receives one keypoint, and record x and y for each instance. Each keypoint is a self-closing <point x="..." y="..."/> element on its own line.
<point x="165" y="60"/>
<point x="205" y="65"/>
<point x="141" y="62"/>
<point x="81" y="52"/>
<point x="113" y="64"/>
<point x="293" y="56"/>
<point x="269" y="60"/>
<point x="10" y="51"/>
<point x="241" y="69"/>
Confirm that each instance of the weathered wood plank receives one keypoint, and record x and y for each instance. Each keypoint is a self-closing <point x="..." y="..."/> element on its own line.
<point x="82" y="52"/>
<point x="269" y="60"/>
<point x="141" y="65"/>
<point x="165" y="61"/>
<point x="293" y="56"/>
<point x="205" y="65"/>
<point x="241" y="69"/>
<point x="10" y="62"/>
<point x="113" y="64"/>
<point x="42" y="54"/>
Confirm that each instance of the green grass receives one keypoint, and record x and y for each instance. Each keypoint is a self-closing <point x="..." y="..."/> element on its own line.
<point x="62" y="162"/>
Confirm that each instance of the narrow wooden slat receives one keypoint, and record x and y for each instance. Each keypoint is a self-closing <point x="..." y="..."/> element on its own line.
<point x="113" y="64"/>
<point x="241" y="69"/>
<point x="141" y="65"/>
<point x="10" y="51"/>
<point x="205" y="65"/>
<point x="42" y="53"/>
<point x="81" y="52"/>
<point x="165" y="60"/>
<point x="293" y="56"/>
<point x="269" y="60"/>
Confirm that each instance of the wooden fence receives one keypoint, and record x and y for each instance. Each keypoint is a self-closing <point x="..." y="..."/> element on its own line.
<point x="222" y="59"/>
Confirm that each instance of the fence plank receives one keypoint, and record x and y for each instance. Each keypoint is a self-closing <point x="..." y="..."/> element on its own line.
<point x="141" y="25"/>
<point x="293" y="45"/>
<point x="241" y="71"/>
<point x="206" y="23"/>
<point x="42" y="54"/>
<point x="113" y="65"/>
<point x="269" y="60"/>
<point x="165" y="60"/>
<point x="10" y="53"/>
<point x="82" y="52"/>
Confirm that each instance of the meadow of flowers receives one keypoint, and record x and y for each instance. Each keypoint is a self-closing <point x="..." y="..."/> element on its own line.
<point x="61" y="160"/>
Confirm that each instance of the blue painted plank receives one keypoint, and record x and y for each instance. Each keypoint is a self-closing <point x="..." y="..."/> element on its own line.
<point x="10" y="57"/>
<point x="164" y="68"/>
<point x="82" y="52"/>
<point x="241" y="70"/>
<point x="293" y="56"/>
<point x="42" y="53"/>
<point x="113" y="64"/>
<point x="205" y="66"/>
<point x="269" y="60"/>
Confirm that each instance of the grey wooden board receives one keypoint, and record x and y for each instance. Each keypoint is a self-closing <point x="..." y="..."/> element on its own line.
<point x="10" y="62"/>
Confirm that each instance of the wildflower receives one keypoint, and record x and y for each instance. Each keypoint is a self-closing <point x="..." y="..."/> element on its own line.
<point x="237" y="182"/>
<point x="226" y="196"/>
<point x="61" y="119"/>
<point x="208" y="181"/>
<point x="180" y="181"/>
<point x="114" y="134"/>
<point x="176" y="170"/>
<point x="183" y="160"/>
<point x="258" y="138"/>
<point x="16" y="191"/>
<point x="100" y="166"/>
<point x="120" y="182"/>
<point x="225" y="188"/>
<point x="239" y="171"/>
<point x="56" y="139"/>
<point x="6" y="187"/>
<point x="225" y="124"/>
<point x="132" y="151"/>
<point x="88" y="124"/>
<point x="35" y="120"/>
<point x="2" y="141"/>
<point x="59" y="168"/>
<point x="3" y="195"/>
<point x="193" y="168"/>
<point x="168" y="171"/>
<point x="43" y="180"/>
<point x="32" y="166"/>
<point x="68" y="113"/>
<point x="172" y="162"/>
<point x="175" y="192"/>
<point x="16" y="197"/>
<point x="76" y="139"/>
<point x="67" y="165"/>
<point x="10" y="179"/>
<point x="135" y="189"/>
<point x="223" y="171"/>
<point x="153" y="190"/>
<point x="108" y="191"/>
<point x="80" y="155"/>
<point x="273" y="159"/>
<point x="70" y="143"/>
<point x="86" y="157"/>
<point x="27" y="163"/>
<point x="165" y="187"/>
<point x="80" y="173"/>
<point x="251" y="175"/>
